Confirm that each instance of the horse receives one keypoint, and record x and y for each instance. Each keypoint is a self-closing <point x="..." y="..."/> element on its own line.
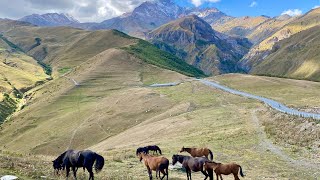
<point x="142" y="150"/>
<point x="198" y="152"/>
<point x="224" y="169"/>
<point x="158" y="164"/>
<point x="75" y="159"/>
<point x="154" y="148"/>
<point x="192" y="164"/>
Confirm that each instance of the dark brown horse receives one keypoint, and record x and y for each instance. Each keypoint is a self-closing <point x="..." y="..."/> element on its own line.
<point x="198" y="152"/>
<point x="192" y="164"/>
<point x="158" y="164"/>
<point x="224" y="169"/>
<point x="75" y="159"/>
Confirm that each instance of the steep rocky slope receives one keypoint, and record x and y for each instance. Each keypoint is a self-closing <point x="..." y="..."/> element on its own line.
<point x="193" y="40"/>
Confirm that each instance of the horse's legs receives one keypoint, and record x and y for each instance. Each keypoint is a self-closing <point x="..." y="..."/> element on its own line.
<point x="187" y="171"/>
<point x="163" y="172"/>
<point x="236" y="177"/>
<point x="150" y="173"/>
<point x="206" y="175"/>
<point x="217" y="176"/>
<point x="221" y="177"/>
<point x="90" y="173"/>
<point x="157" y="171"/>
<point x="74" y="169"/>
<point x="68" y="171"/>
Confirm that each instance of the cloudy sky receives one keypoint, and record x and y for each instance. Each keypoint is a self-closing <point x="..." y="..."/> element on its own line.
<point x="99" y="10"/>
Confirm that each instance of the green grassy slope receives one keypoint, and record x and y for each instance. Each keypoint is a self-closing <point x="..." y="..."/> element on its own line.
<point x="296" y="57"/>
<point x="152" y="55"/>
<point x="66" y="48"/>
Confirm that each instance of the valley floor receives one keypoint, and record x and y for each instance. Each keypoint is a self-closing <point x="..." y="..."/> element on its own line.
<point x="267" y="144"/>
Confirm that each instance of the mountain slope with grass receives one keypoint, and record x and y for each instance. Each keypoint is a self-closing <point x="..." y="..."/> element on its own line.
<point x="193" y="40"/>
<point x="92" y="73"/>
<point x="268" y="46"/>
<point x="64" y="48"/>
<point x="295" y="57"/>
<point x="18" y="73"/>
<point x="256" y="29"/>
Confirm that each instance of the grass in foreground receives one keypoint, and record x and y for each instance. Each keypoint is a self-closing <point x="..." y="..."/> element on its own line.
<point x="201" y="117"/>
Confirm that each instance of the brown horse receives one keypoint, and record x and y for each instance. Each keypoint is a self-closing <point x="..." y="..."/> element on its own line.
<point x="224" y="169"/>
<point x="158" y="164"/>
<point x="192" y="164"/>
<point x="198" y="152"/>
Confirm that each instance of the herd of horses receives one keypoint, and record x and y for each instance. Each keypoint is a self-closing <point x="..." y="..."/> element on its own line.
<point x="201" y="160"/>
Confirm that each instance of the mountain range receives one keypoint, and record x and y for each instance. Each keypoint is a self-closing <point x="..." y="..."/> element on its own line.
<point x="160" y="27"/>
<point x="50" y="19"/>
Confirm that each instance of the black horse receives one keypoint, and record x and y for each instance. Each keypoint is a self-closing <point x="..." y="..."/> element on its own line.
<point x="75" y="159"/>
<point x="154" y="148"/>
<point x="142" y="150"/>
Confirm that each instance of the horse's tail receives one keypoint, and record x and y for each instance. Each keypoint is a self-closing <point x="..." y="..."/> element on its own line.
<point x="241" y="173"/>
<point x="99" y="163"/>
<point x="211" y="154"/>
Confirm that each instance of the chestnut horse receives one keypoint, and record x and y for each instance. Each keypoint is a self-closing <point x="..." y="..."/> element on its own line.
<point x="224" y="169"/>
<point x="198" y="152"/>
<point x="158" y="164"/>
<point x="192" y="164"/>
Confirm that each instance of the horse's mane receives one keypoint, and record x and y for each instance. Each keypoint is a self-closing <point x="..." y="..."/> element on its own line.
<point x="182" y="157"/>
<point x="212" y="162"/>
<point x="60" y="158"/>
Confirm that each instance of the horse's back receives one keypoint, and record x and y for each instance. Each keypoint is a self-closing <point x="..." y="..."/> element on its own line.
<point x="196" y="163"/>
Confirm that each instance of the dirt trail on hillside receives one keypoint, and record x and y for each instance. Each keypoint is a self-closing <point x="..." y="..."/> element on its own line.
<point x="267" y="144"/>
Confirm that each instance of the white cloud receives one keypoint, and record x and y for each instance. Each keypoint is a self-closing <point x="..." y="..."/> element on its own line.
<point x="200" y="2"/>
<point x="315" y="7"/>
<point x="83" y="10"/>
<point x="253" y="4"/>
<point x="292" y="12"/>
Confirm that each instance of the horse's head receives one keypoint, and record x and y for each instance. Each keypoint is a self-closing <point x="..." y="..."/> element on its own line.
<point x="175" y="159"/>
<point x="57" y="166"/>
<point x="141" y="156"/>
<point x="182" y="149"/>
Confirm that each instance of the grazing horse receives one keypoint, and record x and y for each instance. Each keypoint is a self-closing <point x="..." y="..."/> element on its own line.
<point x="224" y="169"/>
<point x="192" y="164"/>
<point x="158" y="164"/>
<point x="142" y="150"/>
<point x="75" y="159"/>
<point x="154" y="148"/>
<point x="198" y="152"/>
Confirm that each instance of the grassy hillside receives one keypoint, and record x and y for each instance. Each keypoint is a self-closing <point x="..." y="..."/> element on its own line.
<point x="18" y="74"/>
<point x="295" y="57"/>
<point x="241" y="26"/>
<point x="152" y="55"/>
<point x="256" y="29"/>
<point x="268" y="46"/>
<point x="294" y="93"/>
<point x="192" y="115"/>
<point x="64" y="48"/>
